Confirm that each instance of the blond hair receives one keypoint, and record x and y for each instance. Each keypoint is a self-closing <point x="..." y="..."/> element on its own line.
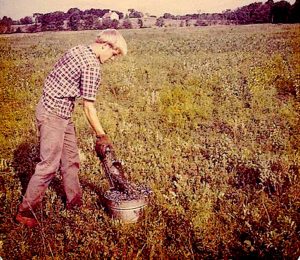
<point x="114" y="38"/>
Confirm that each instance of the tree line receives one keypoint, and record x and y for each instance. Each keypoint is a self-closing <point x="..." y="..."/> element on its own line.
<point x="258" y="12"/>
<point x="270" y="12"/>
<point x="75" y="19"/>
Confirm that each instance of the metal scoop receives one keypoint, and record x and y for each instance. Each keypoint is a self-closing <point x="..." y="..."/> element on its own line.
<point x="114" y="172"/>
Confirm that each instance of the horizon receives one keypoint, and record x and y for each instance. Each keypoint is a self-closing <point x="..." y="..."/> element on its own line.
<point x="16" y="10"/>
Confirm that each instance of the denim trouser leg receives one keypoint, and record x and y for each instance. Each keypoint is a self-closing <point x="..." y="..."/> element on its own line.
<point x="57" y="145"/>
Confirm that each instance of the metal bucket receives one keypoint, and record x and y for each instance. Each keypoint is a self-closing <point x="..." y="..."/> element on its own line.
<point x="127" y="211"/>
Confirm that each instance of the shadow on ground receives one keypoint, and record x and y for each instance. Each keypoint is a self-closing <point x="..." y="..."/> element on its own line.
<point x="25" y="157"/>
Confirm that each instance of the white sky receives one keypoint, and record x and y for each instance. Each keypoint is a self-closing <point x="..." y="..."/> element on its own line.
<point x="17" y="9"/>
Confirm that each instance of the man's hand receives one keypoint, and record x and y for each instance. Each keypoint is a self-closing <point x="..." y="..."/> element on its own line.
<point x="102" y="143"/>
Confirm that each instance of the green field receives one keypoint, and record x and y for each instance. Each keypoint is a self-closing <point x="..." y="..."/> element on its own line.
<point x="207" y="117"/>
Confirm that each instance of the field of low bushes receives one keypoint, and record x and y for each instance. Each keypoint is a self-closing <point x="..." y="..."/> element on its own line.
<point x="206" y="117"/>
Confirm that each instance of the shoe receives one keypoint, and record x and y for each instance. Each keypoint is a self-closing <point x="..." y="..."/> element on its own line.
<point x="27" y="221"/>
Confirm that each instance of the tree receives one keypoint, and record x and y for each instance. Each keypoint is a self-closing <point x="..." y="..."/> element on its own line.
<point x="5" y="24"/>
<point x="73" y="11"/>
<point x="160" y="22"/>
<point x="53" y="21"/>
<point x="26" y="20"/>
<point x="127" y="24"/>
<point x="295" y="12"/>
<point x="135" y="14"/>
<point x="95" y="12"/>
<point x="114" y="24"/>
<point x="268" y="9"/>
<point x="74" y="21"/>
<point x="168" y="16"/>
<point x="37" y="17"/>
<point x="33" y="28"/>
<point x="106" y="23"/>
<point x="120" y="14"/>
<point x="253" y="13"/>
<point x="89" y="21"/>
<point x="280" y="12"/>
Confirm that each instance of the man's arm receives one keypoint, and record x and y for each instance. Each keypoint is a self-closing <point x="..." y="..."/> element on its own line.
<point x="91" y="114"/>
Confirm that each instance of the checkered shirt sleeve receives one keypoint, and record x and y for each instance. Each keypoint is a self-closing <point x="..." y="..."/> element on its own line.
<point x="90" y="80"/>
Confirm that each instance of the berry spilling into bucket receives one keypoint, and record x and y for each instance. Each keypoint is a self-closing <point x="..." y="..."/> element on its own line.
<point x="137" y="193"/>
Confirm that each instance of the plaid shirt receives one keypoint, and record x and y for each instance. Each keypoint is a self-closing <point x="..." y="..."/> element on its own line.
<point x="76" y="74"/>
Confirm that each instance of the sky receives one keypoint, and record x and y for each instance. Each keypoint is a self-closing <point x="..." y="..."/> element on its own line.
<point x="17" y="9"/>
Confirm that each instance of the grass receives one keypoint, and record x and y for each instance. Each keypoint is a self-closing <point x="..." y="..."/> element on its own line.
<point x="207" y="117"/>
